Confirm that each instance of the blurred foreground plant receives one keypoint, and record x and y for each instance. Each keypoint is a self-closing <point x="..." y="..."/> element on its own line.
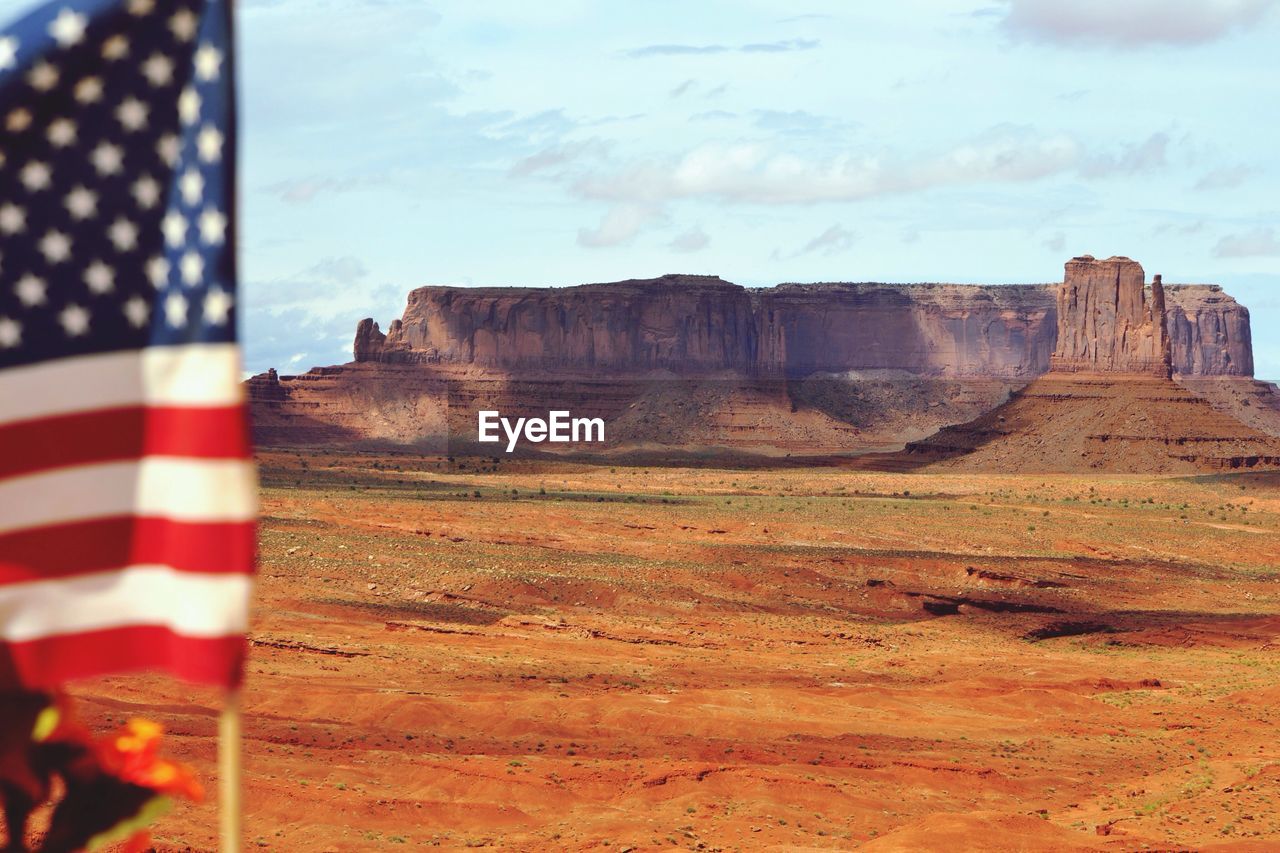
<point x="111" y="788"/>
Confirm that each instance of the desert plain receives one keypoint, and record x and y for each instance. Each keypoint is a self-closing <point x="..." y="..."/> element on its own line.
<point x="540" y="655"/>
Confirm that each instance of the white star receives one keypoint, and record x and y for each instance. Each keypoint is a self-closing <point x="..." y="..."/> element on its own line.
<point x="192" y="268"/>
<point x="208" y="62"/>
<point x="107" y="158"/>
<point x="158" y="272"/>
<point x="43" y="77"/>
<point x="13" y="219"/>
<point x="217" y="305"/>
<point x="68" y="28"/>
<point x="61" y="132"/>
<point x="141" y="7"/>
<point x="55" y="246"/>
<point x="116" y="47"/>
<point x="137" y="311"/>
<point x="18" y="120"/>
<point x="10" y="333"/>
<point x="123" y="234"/>
<point x="146" y="191"/>
<point x="132" y="114"/>
<point x="74" y="320"/>
<point x="168" y="149"/>
<point x="192" y="186"/>
<point x="209" y="144"/>
<point x="82" y="203"/>
<point x="100" y="277"/>
<point x="8" y="52"/>
<point x="30" y="290"/>
<point x="36" y="176"/>
<point x="158" y="70"/>
<point x="183" y="25"/>
<point x="89" y="90"/>
<point x="174" y="226"/>
<point x="189" y="106"/>
<point x="213" y="226"/>
<point x="175" y="309"/>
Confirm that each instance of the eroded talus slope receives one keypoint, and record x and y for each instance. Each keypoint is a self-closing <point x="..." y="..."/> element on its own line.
<point x="1078" y="423"/>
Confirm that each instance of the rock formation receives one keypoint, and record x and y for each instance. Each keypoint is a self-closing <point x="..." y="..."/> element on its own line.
<point x="1109" y="322"/>
<point x="695" y="324"/>
<point x="1209" y="332"/>
<point x="370" y="341"/>
<point x="700" y="363"/>
<point x="1108" y="402"/>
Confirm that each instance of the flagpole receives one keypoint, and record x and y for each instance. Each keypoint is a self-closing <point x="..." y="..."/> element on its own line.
<point x="229" y="800"/>
<point x="231" y="817"/>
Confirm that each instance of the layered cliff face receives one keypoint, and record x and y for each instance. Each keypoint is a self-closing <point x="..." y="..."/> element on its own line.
<point x="932" y="330"/>
<point x="690" y="325"/>
<point x="1209" y="332"/>
<point x="685" y="324"/>
<point x="1108" y="320"/>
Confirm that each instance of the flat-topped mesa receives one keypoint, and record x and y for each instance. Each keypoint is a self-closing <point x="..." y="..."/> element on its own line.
<point x="700" y="325"/>
<point x="680" y="323"/>
<point x="1109" y="321"/>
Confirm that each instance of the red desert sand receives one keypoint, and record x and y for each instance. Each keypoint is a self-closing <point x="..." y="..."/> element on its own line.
<point x="541" y="655"/>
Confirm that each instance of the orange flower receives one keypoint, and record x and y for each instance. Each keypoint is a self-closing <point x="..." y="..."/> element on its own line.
<point x="115" y="786"/>
<point x="132" y="755"/>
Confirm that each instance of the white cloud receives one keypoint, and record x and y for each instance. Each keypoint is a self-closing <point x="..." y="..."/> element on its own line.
<point x="305" y="190"/>
<point x="693" y="240"/>
<point x="835" y="239"/>
<point x="557" y="156"/>
<point x="1131" y="23"/>
<point x="1184" y="229"/>
<point x="759" y="174"/>
<point x="1255" y="243"/>
<point x="709" y="115"/>
<point x="800" y="122"/>
<point x="682" y="88"/>
<point x="1228" y="177"/>
<point x="781" y="46"/>
<point x="344" y="269"/>
<point x="331" y="286"/>
<point x="619" y="225"/>
<point x="1146" y="156"/>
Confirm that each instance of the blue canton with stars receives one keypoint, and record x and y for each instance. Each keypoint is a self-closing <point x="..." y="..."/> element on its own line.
<point x="117" y="176"/>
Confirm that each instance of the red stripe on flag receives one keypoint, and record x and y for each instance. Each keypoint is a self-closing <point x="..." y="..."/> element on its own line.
<point x="84" y="547"/>
<point x="49" y="662"/>
<point x="85" y="438"/>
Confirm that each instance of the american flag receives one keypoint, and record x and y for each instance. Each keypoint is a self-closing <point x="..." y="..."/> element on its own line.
<point x="127" y="493"/>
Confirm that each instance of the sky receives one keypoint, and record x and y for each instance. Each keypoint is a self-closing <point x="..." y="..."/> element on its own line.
<point x="389" y="144"/>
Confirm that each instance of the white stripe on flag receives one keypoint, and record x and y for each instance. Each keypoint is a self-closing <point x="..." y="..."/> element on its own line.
<point x="180" y="489"/>
<point x="184" y="375"/>
<point x="193" y="605"/>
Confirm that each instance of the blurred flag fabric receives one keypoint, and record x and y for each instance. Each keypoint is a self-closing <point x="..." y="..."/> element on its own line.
<point x="127" y="491"/>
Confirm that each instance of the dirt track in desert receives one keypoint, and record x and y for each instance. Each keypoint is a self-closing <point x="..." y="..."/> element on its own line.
<point x="548" y="656"/>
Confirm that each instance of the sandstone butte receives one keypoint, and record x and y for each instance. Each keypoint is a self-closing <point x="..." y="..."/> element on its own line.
<point x="694" y="363"/>
<point x="1108" y="401"/>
